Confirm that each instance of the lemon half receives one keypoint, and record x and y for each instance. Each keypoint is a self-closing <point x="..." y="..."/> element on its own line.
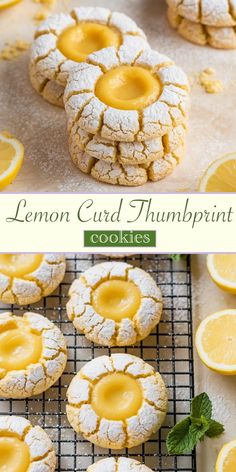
<point x="8" y="3"/>
<point x="216" y="342"/>
<point x="226" y="461"/>
<point x="222" y="269"/>
<point x="11" y="158"/>
<point x="220" y="175"/>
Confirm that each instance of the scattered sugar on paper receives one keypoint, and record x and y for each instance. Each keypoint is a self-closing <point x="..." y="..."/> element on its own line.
<point x="12" y="50"/>
<point x="208" y="81"/>
<point x="41" y="15"/>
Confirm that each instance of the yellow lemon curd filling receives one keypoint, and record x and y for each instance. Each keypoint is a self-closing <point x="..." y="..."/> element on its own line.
<point x="19" y="346"/>
<point x="116" y="397"/>
<point x="14" y="454"/>
<point x="78" y="41"/>
<point x="128" y="88"/>
<point x="116" y="299"/>
<point x="18" y="265"/>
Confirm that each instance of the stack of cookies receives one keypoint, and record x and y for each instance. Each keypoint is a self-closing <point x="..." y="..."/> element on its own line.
<point x="127" y="112"/>
<point x="127" y="105"/>
<point x="204" y="22"/>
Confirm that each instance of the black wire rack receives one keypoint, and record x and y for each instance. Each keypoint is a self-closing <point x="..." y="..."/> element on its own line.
<point x="169" y="349"/>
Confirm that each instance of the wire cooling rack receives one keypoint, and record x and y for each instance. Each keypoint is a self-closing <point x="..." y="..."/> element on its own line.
<point x="168" y="349"/>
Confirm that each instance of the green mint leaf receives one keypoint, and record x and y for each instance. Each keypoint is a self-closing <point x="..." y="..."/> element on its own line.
<point x="201" y="406"/>
<point x="183" y="438"/>
<point x="196" y="421"/>
<point x="198" y="432"/>
<point x="178" y="438"/>
<point x="202" y="421"/>
<point x="178" y="257"/>
<point x="215" y="429"/>
<point x="185" y="435"/>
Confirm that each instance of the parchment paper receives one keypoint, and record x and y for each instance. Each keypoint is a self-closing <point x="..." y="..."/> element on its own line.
<point x="207" y="299"/>
<point x="42" y="127"/>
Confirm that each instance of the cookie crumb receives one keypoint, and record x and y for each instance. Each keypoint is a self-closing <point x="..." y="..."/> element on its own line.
<point x="12" y="50"/>
<point x="41" y="15"/>
<point x="208" y="82"/>
<point x="45" y="11"/>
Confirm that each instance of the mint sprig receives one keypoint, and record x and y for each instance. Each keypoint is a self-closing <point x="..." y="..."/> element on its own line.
<point x="178" y="257"/>
<point x="185" y="435"/>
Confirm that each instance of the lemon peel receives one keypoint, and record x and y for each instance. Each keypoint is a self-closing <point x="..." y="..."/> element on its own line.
<point x="220" y="176"/>
<point x="222" y="269"/>
<point x="216" y="341"/>
<point x="8" y="3"/>
<point x="226" y="461"/>
<point x="11" y="158"/>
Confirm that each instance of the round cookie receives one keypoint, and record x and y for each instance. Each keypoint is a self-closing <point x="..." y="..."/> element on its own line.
<point x="50" y="90"/>
<point x="219" y="38"/>
<point x="115" y="304"/>
<point x="218" y="13"/>
<point x="134" y="153"/>
<point x="24" y="447"/>
<point x="127" y="96"/>
<point x="32" y="355"/>
<point x="126" y="382"/>
<point x="26" y="278"/>
<point x="121" y="174"/>
<point x="114" y="174"/>
<point x="121" y="464"/>
<point x="63" y="40"/>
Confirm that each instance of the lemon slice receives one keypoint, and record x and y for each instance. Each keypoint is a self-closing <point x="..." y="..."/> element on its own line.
<point x="222" y="269"/>
<point x="216" y="342"/>
<point x="226" y="461"/>
<point x="8" y="3"/>
<point x="220" y="175"/>
<point x="11" y="158"/>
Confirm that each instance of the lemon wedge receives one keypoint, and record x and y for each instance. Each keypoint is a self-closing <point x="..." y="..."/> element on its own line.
<point x="8" y="3"/>
<point x="226" y="461"/>
<point x="222" y="269"/>
<point x="220" y="175"/>
<point x="11" y="158"/>
<point x="216" y="342"/>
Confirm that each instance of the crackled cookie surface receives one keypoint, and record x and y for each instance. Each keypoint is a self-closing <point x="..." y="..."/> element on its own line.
<point x="220" y="38"/>
<point x="23" y="447"/>
<point x="32" y="355"/>
<point x="127" y="95"/>
<point x="115" y="304"/>
<point x="219" y="13"/>
<point x="26" y="278"/>
<point x="126" y="174"/>
<point x="129" y="383"/>
<point x="50" y="90"/>
<point x="122" y="464"/>
<point x="134" y="153"/>
<point x="64" y="40"/>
